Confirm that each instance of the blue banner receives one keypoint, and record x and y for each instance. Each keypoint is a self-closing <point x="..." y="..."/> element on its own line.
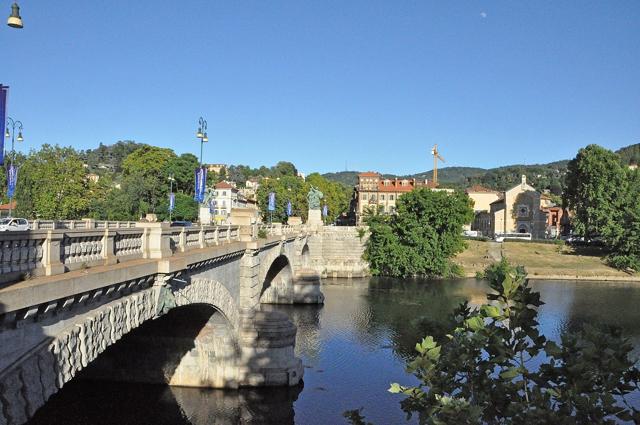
<point x="172" y="201"/>
<point x="325" y="210"/>
<point x="272" y="201"/>
<point x="201" y="184"/>
<point x="12" y="179"/>
<point x="3" y="119"/>
<point x="289" y="209"/>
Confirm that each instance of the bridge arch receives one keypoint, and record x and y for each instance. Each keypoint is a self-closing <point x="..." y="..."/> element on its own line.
<point x="45" y="369"/>
<point x="206" y="291"/>
<point x="277" y="284"/>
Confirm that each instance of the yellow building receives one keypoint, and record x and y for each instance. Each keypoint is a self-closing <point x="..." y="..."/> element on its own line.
<point x="376" y="192"/>
<point x="518" y="210"/>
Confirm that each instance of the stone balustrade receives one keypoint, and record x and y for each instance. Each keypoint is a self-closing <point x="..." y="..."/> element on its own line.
<point x="278" y="229"/>
<point x="55" y="247"/>
<point x="80" y="224"/>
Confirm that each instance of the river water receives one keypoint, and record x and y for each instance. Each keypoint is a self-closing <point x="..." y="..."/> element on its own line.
<point x="352" y="348"/>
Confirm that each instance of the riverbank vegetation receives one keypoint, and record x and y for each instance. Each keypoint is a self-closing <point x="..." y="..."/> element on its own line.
<point x="421" y="238"/>
<point x="494" y="366"/>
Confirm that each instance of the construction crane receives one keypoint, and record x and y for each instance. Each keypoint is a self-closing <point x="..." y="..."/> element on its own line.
<point x="436" y="157"/>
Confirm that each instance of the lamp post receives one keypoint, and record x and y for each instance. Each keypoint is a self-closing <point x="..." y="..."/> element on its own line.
<point x="11" y="132"/>
<point x="171" y="180"/>
<point x="202" y="135"/>
<point x="15" y="20"/>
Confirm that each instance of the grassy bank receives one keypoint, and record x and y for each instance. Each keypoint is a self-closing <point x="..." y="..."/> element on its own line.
<point x="546" y="261"/>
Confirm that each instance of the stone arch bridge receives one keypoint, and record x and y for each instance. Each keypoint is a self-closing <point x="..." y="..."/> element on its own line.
<point x="70" y="294"/>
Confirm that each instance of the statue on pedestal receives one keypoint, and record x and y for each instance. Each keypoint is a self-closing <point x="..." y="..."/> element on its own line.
<point x="313" y="197"/>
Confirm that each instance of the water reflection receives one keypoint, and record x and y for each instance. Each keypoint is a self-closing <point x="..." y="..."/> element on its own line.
<point x="352" y="348"/>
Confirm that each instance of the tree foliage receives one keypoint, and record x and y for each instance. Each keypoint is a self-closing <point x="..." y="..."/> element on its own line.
<point x="483" y="371"/>
<point x="422" y="237"/>
<point x="595" y="183"/>
<point x="295" y="189"/>
<point x="52" y="184"/>
<point x="603" y="195"/>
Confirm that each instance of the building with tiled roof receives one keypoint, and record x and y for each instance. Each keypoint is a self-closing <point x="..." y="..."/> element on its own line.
<point x="380" y="193"/>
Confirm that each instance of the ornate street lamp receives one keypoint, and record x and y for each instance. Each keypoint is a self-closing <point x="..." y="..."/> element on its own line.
<point x="202" y="135"/>
<point x="15" y="20"/>
<point x="11" y="132"/>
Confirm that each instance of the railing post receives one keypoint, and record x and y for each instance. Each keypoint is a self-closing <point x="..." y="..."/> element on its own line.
<point x="109" y="247"/>
<point x="51" y="256"/>
<point x="201" y="241"/>
<point x="182" y="244"/>
<point x="155" y="241"/>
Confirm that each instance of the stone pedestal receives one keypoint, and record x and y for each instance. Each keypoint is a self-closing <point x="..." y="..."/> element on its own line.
<point x="315" y="218"/>
<point x="294" y="221"/>
<point x="204" y="215"/>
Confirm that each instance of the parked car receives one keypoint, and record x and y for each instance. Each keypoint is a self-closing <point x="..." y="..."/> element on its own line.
<point x="181" y="224"/>
<point x="13" y="224"/>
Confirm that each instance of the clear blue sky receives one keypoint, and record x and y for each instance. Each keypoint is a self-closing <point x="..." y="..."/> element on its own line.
<point x="320" y="83"/>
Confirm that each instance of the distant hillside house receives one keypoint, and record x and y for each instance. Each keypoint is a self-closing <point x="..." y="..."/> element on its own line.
<point x="373" y="192"/>
<point x="518" y="210"/>
<point x="216" y="168"/>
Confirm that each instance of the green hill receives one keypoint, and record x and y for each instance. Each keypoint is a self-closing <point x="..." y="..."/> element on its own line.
<point x="630" y="155"/>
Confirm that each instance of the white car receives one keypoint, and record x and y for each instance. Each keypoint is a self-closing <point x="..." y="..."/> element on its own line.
<point x="13" y="224"/>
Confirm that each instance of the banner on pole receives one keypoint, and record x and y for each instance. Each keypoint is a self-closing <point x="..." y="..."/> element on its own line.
<point x="3" y="119"/>
<point x="172" y="201"/>
<point x="289" y="209"/>
<point x="201" y="183"/>
<point x="272" y="201"/>
<point x="12" y="179"/>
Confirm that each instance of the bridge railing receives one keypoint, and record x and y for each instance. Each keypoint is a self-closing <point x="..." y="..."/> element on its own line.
<point x="277" y="229"/>
<point x="80" y="245"/>
<point x="80" y="224"/>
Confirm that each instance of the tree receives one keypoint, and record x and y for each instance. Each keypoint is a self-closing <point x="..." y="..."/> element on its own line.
<point x="186" y="208"/>
<point x="52" y="185"/>
<point x="282" y="195"/>
<point x="594" y="191"/>
<point x="284" y="168"/>
<point x="145" y="177"/>
<point x="336" y="196"/>
<point x="422" y="237"/>
<point x="480" y="372"/>
<point x="182" y="168"/>
<point x="624" y="241"/>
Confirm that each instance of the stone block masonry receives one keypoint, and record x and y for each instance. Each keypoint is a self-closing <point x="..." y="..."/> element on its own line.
<point x="337" y="251"/>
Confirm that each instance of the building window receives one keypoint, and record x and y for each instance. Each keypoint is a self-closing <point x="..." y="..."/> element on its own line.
<point x="523" y="210"/>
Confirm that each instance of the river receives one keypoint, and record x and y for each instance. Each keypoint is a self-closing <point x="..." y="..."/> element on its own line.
<point x="352" y="348"/>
